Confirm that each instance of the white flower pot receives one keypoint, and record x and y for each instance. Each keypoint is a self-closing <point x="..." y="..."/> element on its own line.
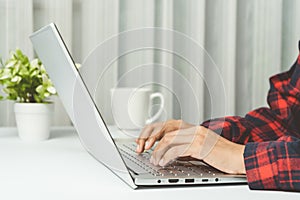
<point x="33" y="120"/>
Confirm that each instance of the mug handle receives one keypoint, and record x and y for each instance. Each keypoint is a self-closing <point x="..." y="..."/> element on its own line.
<point x="161" y="108"/>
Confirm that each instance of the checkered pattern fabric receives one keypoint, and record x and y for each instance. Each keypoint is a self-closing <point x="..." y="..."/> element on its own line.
<point x="271" y="135"/>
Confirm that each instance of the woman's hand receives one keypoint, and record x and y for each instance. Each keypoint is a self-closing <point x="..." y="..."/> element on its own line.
<point x="192" y="141"/>
<point x="153" y="132"/>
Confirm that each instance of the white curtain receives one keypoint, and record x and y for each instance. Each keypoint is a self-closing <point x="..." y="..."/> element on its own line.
<point x="247" y="40"/>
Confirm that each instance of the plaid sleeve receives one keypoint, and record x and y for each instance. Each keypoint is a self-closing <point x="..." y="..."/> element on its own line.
<point x="268" y="123"/>
<point x="271" y="134"/>
<point x="274" y="165"/>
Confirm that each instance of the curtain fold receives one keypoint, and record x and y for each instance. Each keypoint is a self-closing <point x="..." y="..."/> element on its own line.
<point x="192" y="12"/>
<point x="220" y="42"/>
<point x="290" y="32"/>
<point x="258" y="51"/>
<point x="247" y="41"/>
<point x="17" y="23"/>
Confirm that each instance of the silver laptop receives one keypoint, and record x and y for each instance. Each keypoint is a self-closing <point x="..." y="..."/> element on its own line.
<point x="117" y="155"/>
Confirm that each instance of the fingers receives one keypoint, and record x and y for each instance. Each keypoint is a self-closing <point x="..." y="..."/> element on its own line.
<point x="149" y="135"/>
<point x="150" y="142"/>
<point x="153" y="132"/>
<point x="172" y="154"/>
<point x="140" y="145"/>
<point x="190" y="138"/>
<point x="180" y="143"/>
<point x="143" y="141"/>
<point x="146" y="131"/>
<point x="157" y="133"/>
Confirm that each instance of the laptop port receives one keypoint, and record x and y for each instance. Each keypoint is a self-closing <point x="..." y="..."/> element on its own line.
<point x="173" y="180"/>
<point x="205" y="180"/>
<point x="189" y="180"/>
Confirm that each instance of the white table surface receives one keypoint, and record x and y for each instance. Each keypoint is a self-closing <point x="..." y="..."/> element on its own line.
<point x="60" y="168"/>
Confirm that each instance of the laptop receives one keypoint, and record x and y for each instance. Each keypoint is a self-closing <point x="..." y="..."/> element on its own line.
<point x="118" y="156"/>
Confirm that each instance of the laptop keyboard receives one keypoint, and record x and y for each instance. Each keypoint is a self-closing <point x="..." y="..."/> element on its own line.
<point x="141" y="164"/>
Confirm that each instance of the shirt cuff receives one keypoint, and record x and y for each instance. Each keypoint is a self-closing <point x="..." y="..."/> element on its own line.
<point x="261" y="166"/>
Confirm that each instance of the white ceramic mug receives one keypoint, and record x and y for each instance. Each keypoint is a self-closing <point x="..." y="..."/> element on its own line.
<point x="131" y="107"/>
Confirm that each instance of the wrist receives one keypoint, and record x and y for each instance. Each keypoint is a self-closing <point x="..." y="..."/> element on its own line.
<point x="227" y="157"/>
<point x="239" y="158"/>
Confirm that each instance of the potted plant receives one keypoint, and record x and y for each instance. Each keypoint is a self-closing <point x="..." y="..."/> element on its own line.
<point x="27" y="83"/>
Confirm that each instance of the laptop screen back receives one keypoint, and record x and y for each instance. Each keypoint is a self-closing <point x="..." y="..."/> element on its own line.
<point x="77" y="101"/>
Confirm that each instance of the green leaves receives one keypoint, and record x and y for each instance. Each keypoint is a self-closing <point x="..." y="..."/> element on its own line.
<point x="24" y="80"/>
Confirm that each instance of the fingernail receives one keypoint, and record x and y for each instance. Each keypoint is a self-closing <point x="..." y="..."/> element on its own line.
<point x="146" y="144"/>
<point x="138" y="148"/>
<point x="151" y="159"/>
<point x="161" y="162"/>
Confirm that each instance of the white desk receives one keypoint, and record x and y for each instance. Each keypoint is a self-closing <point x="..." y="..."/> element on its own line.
<point x="60" y="168"/>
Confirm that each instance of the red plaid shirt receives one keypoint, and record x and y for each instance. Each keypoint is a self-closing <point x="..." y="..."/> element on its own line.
<point x="271" y="135"/>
